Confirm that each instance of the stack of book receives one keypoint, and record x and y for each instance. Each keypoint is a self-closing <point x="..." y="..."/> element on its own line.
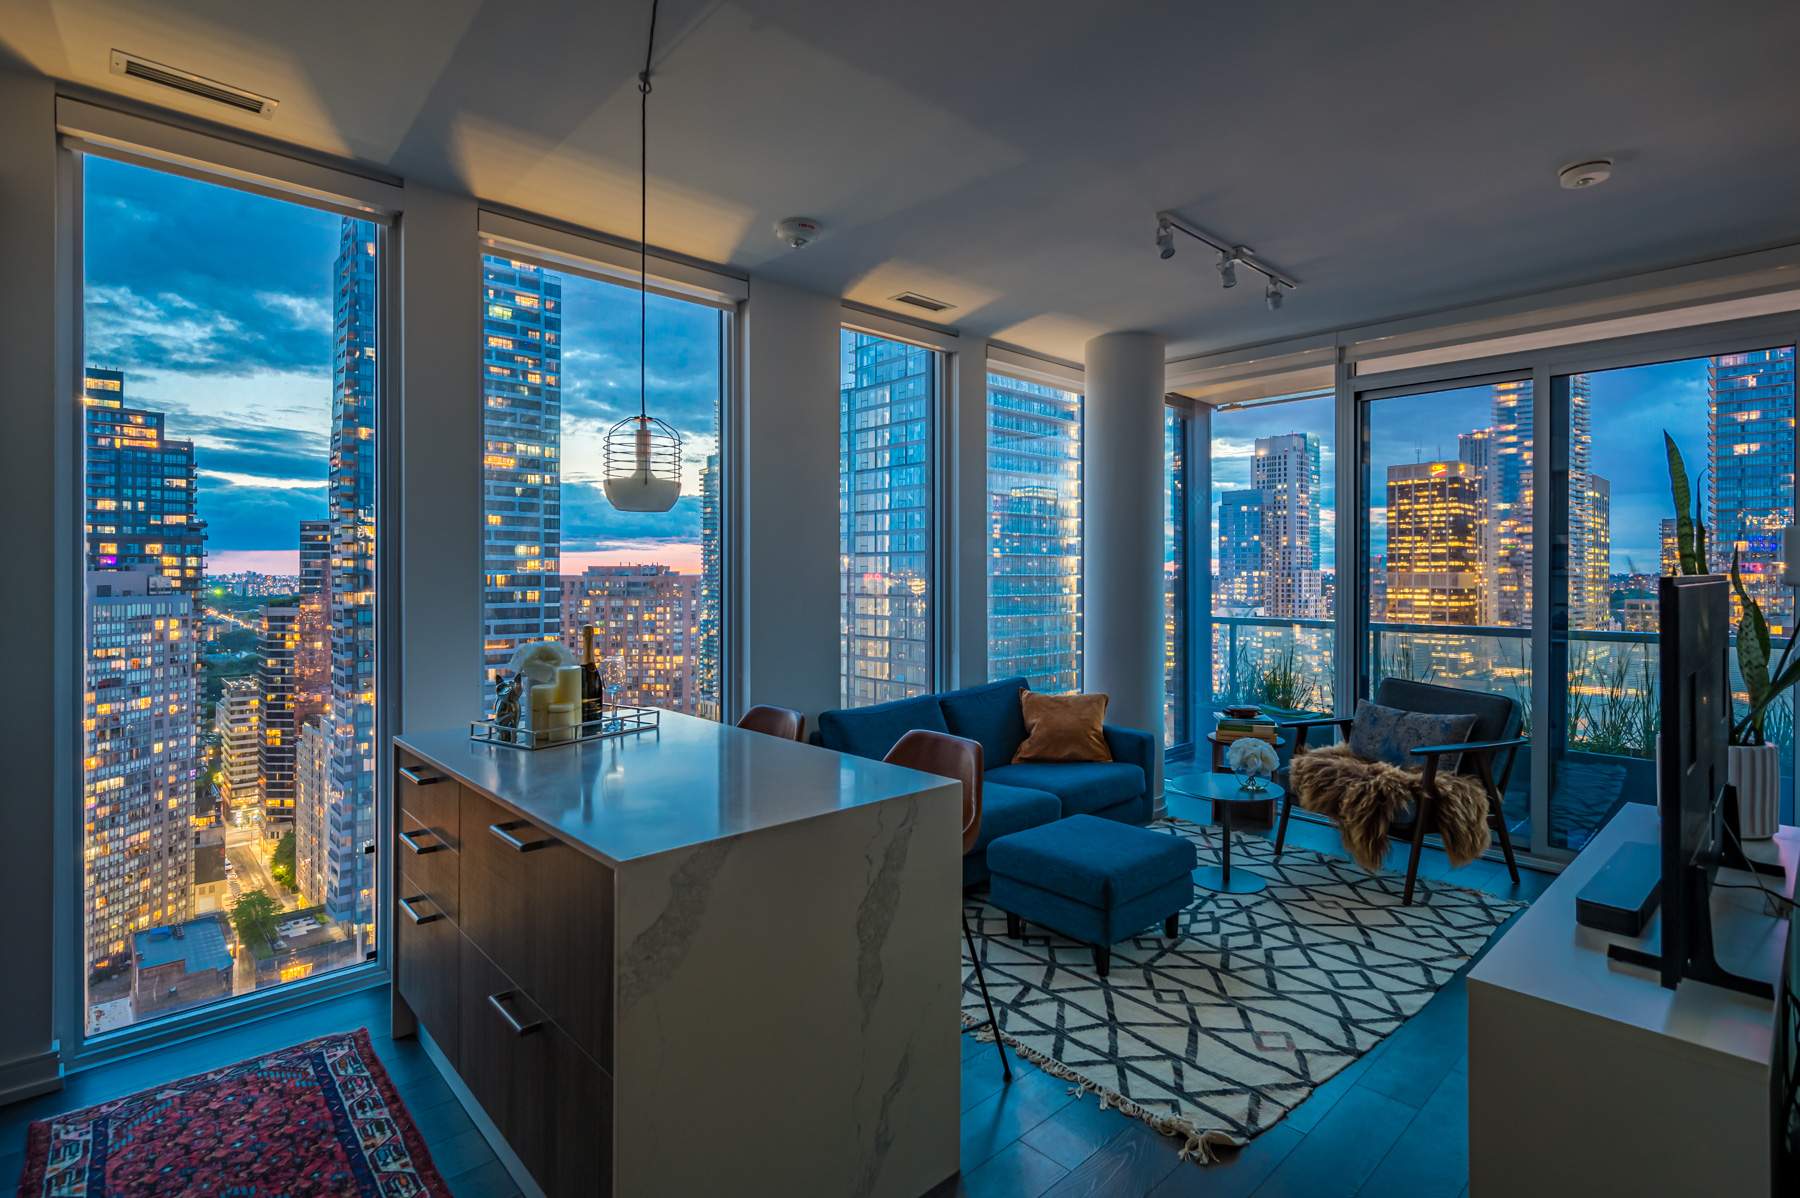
<point x="1229" y="729"/>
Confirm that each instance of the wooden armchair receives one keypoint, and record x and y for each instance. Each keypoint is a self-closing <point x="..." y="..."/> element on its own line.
<point x="1496" y="731"/>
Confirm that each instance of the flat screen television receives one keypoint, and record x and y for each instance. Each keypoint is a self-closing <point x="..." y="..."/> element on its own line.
<point x="1695" y="623"/>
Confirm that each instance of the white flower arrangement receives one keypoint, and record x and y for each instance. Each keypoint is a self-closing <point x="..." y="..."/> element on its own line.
<point x="539" y="660"/>
<point x="1248" y="754"/>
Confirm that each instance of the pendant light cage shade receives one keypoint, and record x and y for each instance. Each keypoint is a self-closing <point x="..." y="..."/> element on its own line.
<point x="643" y="465"/>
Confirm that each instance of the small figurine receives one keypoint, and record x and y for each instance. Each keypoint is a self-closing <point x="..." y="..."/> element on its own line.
<point x="506" y="704"/>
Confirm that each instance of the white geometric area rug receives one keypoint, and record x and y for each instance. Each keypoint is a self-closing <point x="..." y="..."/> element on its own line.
<point x="1216" y="1036"/>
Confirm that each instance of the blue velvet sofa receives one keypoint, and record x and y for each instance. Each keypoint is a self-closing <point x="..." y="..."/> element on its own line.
<point x="1014" y="797"/>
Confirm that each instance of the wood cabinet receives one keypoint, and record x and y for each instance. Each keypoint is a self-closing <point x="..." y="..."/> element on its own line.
<point x="429" y="951"/>
<point x="504" y="942"/>
<point x="544" y="912"/>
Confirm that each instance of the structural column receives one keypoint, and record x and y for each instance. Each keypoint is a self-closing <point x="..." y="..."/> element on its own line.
<point x="1122" y="529"/>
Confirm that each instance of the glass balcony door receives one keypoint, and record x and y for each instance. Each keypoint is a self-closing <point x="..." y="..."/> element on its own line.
<point x="1732" y="416"/>
<point x="1448" y="539"/>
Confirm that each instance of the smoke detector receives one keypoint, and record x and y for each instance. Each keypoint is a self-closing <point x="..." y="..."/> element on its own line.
<point x="797" y="231"/>
<point x="1585" y="174"/>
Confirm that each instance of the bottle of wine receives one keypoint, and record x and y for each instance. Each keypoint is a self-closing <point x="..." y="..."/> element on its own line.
<point x="592" y="698"/>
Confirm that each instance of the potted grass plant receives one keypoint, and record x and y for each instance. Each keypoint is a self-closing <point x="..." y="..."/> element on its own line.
<point x="1753" y="760"/>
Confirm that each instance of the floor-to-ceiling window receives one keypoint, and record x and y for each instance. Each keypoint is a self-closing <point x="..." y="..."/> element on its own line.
<point x="229" y="742"/>
<point x="886" y="415"/>
<point x="560" y="366"/>
<point x="1448" y="525"/>
<point x="1273" y="554"/>
<point x="1034" y="533"/>
<point x="1177" y="718"/>
<point x="1732" y="417"/>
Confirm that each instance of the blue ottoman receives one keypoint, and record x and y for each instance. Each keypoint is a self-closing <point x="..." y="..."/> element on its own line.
<point x="1094" y="880"/>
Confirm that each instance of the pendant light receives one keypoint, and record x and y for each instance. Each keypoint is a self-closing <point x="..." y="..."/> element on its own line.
<point x="643" y="454"/>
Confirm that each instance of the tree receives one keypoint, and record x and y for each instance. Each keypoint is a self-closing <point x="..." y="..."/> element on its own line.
<point x="253" y="915"/>
<point x="282" y="866"/>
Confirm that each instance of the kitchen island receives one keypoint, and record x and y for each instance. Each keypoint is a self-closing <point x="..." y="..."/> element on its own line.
<point x="697" y="960"/>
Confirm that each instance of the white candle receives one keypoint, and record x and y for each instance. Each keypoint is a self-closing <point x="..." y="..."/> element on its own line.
<point x="562" y="723"/>
<point x="568" y="684"/>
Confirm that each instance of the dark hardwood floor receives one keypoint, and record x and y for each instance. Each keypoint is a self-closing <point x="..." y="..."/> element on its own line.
<point x="1395" y="1124"/>
<point x="1392" y="1125"/>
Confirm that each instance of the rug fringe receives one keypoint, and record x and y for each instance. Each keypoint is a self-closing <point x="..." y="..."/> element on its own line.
<point x="1200" y="1143"/>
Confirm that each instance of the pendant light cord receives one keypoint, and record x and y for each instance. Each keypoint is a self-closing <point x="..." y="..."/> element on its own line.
<point x="644" y="219"/>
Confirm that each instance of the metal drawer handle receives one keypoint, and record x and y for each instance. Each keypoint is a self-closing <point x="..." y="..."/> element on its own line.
<point x="522" y="1029"/>
<point x="406" y="838"/>
<point x="406" y="905"/>
<point x="411" y="774"/>
<point x="504" y="832"/>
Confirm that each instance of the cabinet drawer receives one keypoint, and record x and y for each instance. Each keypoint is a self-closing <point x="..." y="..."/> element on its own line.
<point x="429" y="862"/>
<point x="544" y="913"/>
<point x="551" y="1102"/>
<point x="429" y="950"/>
<point x="430" y="796"/>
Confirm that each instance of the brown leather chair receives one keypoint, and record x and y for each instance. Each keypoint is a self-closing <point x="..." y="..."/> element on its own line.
<point x="954" y="757"/>
<point x="776" y="721"/>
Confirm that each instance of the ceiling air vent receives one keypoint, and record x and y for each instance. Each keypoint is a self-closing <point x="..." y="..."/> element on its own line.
<point x="921" y="301"/>
<point x="193" y="85"/>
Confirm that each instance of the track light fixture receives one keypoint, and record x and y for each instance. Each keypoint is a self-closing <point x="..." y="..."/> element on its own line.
<point x="1230" y="257"/>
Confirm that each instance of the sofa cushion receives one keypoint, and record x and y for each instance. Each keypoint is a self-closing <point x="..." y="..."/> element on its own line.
<point x="1389" y="734"/>
<point x="1093" y="861"/>
<point x="872" y="731"/>
<point x="989" y="714"/>
<point x="1083" y="786"/>
<point x="1009" y="809"/>
<point x="1063" y="728"/>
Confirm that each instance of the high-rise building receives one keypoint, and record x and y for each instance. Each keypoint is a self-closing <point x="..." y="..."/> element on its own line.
<point x="140" y="490"/>
<point x="884" y="519"/>
<point x="278" y="643"/>
<point x="1476" y="450"/>
<point x="1240" y="586"/>
<point x="707" y="680"/>
<point x="237" y="717"/>
<point x="315" y="557"/>
<point x="1433" y="575"/>
<point x="647" y="616"/>
<point x="1509" y="569"/>
<point x="350" y="875"/>
<point x="1671" y="548"/>
<point x="1596" y="549"/>
<point x="139" y="751"/>
<point x="1750" y="443"/>
<point x="312" y="656"/>
<point x="521" y="389"/>
<point x="1034" y="533"/>
<point x="312" y="803"/>
<point x="1286" y="470"/>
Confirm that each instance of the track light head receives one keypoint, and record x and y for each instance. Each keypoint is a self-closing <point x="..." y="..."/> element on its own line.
<point x="1228" y="270"/>
<point x="1272" y="295"/>
<point x="1165" y="238"/>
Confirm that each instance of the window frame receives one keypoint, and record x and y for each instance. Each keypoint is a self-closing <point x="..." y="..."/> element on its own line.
<point x="234" y="166"/>
<point x="1540" y="366"/>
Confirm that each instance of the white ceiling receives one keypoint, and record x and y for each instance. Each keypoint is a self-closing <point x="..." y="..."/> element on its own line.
<point x="1009" y="157"/>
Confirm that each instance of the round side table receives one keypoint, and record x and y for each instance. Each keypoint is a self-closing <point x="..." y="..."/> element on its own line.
<point x="1223" y="791"/>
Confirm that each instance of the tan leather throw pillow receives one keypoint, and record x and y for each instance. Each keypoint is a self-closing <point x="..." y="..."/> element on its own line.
<point x="1063" y="728"/>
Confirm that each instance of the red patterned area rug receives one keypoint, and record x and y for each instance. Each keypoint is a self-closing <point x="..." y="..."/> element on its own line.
<point x="317" y="1119"/>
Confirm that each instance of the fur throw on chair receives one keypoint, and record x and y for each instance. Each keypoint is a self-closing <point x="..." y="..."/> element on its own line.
<point x="1364" y="797"/>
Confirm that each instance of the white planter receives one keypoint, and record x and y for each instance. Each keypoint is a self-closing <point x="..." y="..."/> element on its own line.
<point x="1756" y="772"/>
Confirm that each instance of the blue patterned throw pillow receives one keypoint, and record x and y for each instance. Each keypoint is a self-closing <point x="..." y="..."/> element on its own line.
<point x="1389" y="734"/>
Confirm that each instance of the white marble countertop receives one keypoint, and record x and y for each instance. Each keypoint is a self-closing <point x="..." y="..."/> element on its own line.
<point x="1549" y="957"/>
<point x="690" y="782"/>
